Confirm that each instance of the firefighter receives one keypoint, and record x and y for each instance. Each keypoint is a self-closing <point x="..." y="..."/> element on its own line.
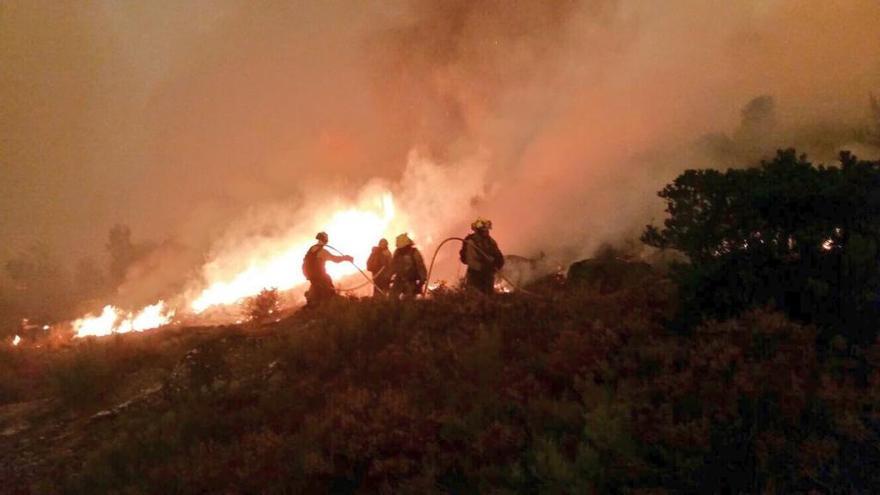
<point x="379" y="264"/>
<point x="408" y="272"/>
<point x="481" y="255"/>
<point x="321" y="287"/>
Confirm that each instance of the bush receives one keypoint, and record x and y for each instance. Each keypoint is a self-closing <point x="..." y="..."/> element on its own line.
<point x="263" y="306"/>
<point x="802" y="238"/>
<point x="574" y="392"/>
<point x="89" y="373"/>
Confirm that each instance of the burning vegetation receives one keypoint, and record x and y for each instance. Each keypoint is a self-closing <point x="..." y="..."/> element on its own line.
<point x="193" y="197"/>
<point x="616" y="376"/>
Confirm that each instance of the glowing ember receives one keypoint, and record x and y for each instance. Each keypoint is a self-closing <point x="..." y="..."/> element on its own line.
<point x="503" y="286"/>
<point x="351" y="231"/>
<point x="16" y="340"/>
<point x="112" y="320"/>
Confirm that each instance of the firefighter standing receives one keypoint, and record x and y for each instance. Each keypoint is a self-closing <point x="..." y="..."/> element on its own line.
<point x="481" y="255"/>
<point x="379" y="264"/>
<point x="408" y="270"/>
<point x="321" y="287"/>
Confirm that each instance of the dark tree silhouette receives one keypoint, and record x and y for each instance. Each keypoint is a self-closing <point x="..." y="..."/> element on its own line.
<point x="803" y="238"/>
<point x="122" y="252"/>
<point x="40" y="285"/>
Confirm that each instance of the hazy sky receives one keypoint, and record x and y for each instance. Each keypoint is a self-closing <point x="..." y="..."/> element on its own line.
<point x="177" y="117"/>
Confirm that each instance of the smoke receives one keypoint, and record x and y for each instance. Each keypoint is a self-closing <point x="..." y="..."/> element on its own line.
<point x="222" y="129"/>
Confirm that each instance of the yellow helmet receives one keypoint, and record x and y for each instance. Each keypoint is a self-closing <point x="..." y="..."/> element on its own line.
<point x="403" y="240"/>
<point x="481" y="223"/>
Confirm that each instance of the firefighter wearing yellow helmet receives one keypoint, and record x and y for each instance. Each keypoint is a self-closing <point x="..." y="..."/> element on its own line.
<point x="408" y="272"/>
<point x="481" y="255"/>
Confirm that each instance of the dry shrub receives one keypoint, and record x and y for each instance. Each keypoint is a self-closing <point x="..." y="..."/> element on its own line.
<point x="263" y="306"/>
<point x="575" y="392"/>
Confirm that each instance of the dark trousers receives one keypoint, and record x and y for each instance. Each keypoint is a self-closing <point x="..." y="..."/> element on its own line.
<point x="382" y="284"/>
<point x="483" y="281"/>
<point x="406" y="289"/>
<point x="320" y="290"/>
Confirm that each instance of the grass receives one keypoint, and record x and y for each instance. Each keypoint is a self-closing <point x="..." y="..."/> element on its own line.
<point x="572" y="392"/>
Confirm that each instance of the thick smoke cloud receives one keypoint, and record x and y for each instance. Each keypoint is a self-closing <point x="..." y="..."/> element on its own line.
<point x="183" y="119"/>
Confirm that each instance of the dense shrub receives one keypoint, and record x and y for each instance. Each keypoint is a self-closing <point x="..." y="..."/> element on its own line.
<point x="263" y="306"/>
<point x="578" y="393"/>
<point x="802" y="238"/>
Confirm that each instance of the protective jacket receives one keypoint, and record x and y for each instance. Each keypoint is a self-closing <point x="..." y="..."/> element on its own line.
<point x="313" y="262"/>
<point x="408" y="272"/>
<point x="321" y="287"/>
<point x="379" y="262"/>
<point x="481" y="254"/>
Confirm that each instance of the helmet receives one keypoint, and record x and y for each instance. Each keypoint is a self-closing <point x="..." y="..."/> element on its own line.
<point x="481" y="223"/>
<point x="322" y="236"/>
<point x="403" y="240"/>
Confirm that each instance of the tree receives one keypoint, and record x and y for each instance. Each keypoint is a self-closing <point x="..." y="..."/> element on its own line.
<point x="805" y="239"/>
<point x="123" y="252"/>
<point x="40" y="284"/>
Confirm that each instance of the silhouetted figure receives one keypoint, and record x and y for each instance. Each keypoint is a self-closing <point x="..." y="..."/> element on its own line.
<point x="408" y="272"/>
<point x="481" y="255"/>
<point x="321" y="287"/>
<point x="379" y="264"/>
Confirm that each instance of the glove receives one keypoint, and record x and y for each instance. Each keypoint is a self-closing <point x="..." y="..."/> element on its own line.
<point x="348" y="258"/>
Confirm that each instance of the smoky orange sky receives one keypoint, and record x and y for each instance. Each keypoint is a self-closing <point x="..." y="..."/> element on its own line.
<point x="181" y="118"/>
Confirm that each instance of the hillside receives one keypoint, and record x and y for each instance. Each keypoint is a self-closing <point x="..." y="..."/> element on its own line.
<point x="566" y="392"/>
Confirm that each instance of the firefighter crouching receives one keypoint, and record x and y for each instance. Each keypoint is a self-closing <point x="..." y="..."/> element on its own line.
<point x="481" y="255"/>
<point x="408" y="272"/>
<point x="379" y="264"/>
<point x="321" y="285"/>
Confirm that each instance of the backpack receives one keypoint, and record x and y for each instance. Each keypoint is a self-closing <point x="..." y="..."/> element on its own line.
<point x="462" y="253"/>
<point x="374" y="262"/>
<point x="311" y="266"/>
<point x="405" y="267"/>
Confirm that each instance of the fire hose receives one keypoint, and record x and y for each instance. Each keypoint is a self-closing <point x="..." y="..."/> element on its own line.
<point x="502" y="277"/>
<point x="369" y="279"/>
<point x="363" y="284"/>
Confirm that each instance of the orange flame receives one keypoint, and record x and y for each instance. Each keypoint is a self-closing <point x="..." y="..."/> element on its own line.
<point x="112" y="320"/>
<point x="351" y="231"/>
